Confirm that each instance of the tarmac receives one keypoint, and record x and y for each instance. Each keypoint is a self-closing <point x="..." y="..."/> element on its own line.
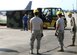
<point x="16" y="42"/>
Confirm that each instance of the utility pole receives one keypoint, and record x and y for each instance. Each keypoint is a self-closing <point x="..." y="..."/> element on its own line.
<point x="76" y="4"/>
<point x="73" y="6"/>
<point x="76" y="14"/>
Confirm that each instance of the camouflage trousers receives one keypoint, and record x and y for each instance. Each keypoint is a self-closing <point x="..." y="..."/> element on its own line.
<point x="61" y="38"/>
<point x="35" y="35"/>
<point x="73" y="35"/>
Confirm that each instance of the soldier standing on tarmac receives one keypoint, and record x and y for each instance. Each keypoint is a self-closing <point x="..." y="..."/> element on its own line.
<point x="73" y="28"/>
<point x="36" y="27"/>
<point x="60" y="29"/>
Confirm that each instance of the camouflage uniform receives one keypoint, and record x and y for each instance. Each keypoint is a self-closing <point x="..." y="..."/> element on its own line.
<point x="36" y="35"/>
<point x="60" y="31"/>
<point x="73" y="29"/>
<point x="61" y="38"/>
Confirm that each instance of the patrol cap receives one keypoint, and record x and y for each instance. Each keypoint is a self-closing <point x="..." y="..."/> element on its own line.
<point x="59" y="12"/>
<point x="69" y="13"/>
<point x="35" y="11"/>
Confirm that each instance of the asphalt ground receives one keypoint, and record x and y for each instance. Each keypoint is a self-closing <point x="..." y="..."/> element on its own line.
<point x="17" y="42"/>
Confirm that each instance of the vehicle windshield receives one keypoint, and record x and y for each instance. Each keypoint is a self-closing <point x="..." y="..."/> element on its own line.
<point x="46" y="11"/>
<point x="54" y="10"/>
<point x="50" y="11"/>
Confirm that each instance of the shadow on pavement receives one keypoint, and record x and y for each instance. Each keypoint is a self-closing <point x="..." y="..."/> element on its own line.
<point x="41" y="54"/>
<point x="70" y="46"/>
<point x="51" y="50"/>
<point x="67" y="51"/>
<point x="8" y="50"/>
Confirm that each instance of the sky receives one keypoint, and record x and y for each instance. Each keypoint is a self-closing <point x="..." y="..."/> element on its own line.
<point x="21" y="4"/>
